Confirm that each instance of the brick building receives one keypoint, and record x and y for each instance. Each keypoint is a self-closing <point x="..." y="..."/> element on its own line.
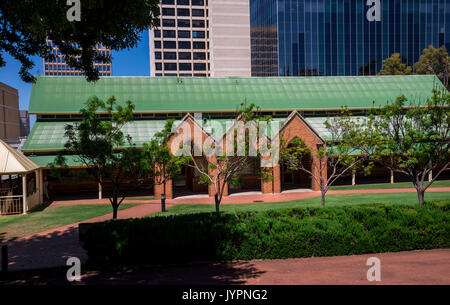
<point x="9" y="114"/>
<point x="299" y="104"/>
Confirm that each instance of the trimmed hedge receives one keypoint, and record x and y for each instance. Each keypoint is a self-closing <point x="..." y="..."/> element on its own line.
<point x="280" y="233"/>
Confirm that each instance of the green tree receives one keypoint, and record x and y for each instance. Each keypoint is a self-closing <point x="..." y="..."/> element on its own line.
<point x="222" y="170"/>
<point x="395" y="65"/>
<point x="414" y="141"/>
<point x="116" y="24"/>
<point x="108" y="155"/>
<point x="345" y="152"/>
<point x="158" y="156"/>
<point x="434" y="61"/>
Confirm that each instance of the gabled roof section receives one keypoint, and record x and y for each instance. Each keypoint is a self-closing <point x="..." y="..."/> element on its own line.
<point x="298" y="115"/>
<point x="13" y="161"/>
<point x="67" y="94"/>
<point x="190" y="117"/>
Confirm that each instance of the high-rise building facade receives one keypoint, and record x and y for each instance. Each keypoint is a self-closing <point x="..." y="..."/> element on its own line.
<point x="197" y="38"/>
<point x="342" y="37"/>
<point x="293" y="37"/>
<point x="59" y="67"/>
<point x="229" y="36"/>
<point x="179" y="46"/>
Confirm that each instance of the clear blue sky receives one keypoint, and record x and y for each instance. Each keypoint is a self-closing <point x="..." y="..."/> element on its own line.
<point x="133" y="62"/>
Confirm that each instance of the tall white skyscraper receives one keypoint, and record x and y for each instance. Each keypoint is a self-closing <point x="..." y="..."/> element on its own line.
<point x="197" y="38"/>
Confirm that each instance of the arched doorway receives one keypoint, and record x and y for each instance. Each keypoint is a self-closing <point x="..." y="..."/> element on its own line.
<point x="187" y="183"/>
<point x="296" y="179"/>
<point x="249" y="178"/>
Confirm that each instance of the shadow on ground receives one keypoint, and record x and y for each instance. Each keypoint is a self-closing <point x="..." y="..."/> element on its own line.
<point x="193" y="274"/>
<point x="44" y="251"/>
<point x="41" y="260"/>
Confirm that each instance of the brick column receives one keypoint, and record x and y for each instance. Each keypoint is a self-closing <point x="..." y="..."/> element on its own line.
<point x="159" y="189"/>
<point x="277" y="179"/>
<point x="315" y="185"/>
<point x="211" y="172"/>
<point x="272" y="185"/>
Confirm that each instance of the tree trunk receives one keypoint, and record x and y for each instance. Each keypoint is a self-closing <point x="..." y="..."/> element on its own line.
<point x="115" y="208"/>
<point x="421" y="195"/>
<point x="216" y="199"/>
<point x="323" y="198"/>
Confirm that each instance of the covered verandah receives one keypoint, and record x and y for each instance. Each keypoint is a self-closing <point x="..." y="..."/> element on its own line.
<point x="21" y="183"/>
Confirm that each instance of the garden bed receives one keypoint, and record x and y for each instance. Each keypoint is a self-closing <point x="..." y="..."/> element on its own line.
<point x="271" y="234"/>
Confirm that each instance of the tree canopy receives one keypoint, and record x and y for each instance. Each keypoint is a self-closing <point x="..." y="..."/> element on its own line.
<point x="343" y="153"/>
<point x="415" y="141"/>
<point x="434" y="61"/>
<point x="158" y="156"/>
<point x="116" y="24"/>
<point x="395" y="65"/>
<point x="108" y="155"/>
<point x="222" y="170"/>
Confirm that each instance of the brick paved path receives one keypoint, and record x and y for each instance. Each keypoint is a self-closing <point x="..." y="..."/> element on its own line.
<point x="429" y="267"/>
<point x="53" y="247"/>
<point x="237" y="199"/>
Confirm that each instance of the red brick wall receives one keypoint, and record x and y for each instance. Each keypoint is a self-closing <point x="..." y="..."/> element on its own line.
<point x="295" y="128"/>
<point x="199" y="188"/>
<point x="298" y="128"/>
<point x="159" y="189"/>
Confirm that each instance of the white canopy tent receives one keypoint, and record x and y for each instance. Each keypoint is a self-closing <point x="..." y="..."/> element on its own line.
<point x="13" y="162"/>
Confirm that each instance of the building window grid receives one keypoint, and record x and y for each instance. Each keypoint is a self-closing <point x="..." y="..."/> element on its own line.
<point x="192" y="39"/>
<point x="59" y="65"/>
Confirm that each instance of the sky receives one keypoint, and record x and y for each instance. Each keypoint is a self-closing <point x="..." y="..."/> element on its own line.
<point x="133" y="62"/>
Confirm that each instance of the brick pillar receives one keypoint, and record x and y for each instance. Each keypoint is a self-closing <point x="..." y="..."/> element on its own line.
<point x="225" y="191"/>
<point x="315" y="185"/>
<point x="272" y="185"/>
<point x="211" y="172"/>
<point x="211" y="190"/>
<point x="277" y="179"/>
<point x="159" y="189"/>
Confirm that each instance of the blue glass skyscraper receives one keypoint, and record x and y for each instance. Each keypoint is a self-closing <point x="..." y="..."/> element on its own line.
<point x="342" y="37"/>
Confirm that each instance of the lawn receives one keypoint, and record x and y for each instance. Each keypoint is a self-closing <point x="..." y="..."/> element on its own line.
<point x="332" y="200"/>
<point x="16" y="226"/>
<point x="400" y="185"/>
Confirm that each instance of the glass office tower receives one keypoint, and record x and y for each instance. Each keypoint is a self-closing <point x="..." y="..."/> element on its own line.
<point x="342" y="37"/>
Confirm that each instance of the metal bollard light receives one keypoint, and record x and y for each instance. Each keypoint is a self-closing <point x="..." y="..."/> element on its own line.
<point x="163" y="202"/>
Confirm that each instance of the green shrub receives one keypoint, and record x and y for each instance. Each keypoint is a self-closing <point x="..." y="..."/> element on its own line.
<point x="280" y="233"/>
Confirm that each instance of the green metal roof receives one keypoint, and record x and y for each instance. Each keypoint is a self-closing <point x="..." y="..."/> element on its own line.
<point x="56" y="94"/>
<point x="48" y="136"/>
<point x="44" y="161"/>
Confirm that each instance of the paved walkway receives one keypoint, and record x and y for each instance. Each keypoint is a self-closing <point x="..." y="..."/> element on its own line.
<point x="52" y="248"/>
<point x="239" y="199"/>
<point x="429" y="267"/>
